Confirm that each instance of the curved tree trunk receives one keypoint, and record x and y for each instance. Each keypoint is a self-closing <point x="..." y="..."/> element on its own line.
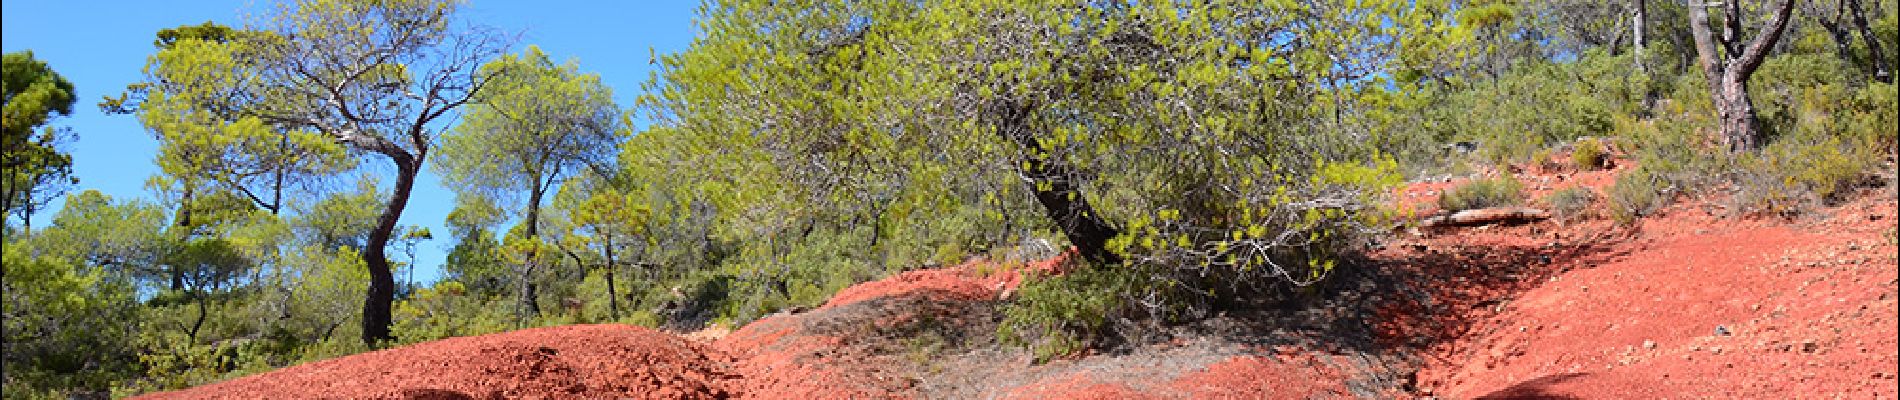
<point x="203" y="309"/>
<point x="1053" y="183"/>
<point x="382" y="284"/>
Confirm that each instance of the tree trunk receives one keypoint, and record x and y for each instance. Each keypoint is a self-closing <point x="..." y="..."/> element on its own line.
<point x="526" y="292"/>
<point x="1052" y="182"/>
<point x="1843" y="40"/>
<point x="1728" y="67"/>
<point x="1740" y="128"/>
<point x="183" y="222"/>
<point x="613" y="299"/>
<point x="382" y="284"/>
<point x="1639" y="42"/>
<point x="528" y="306"/>
<point x="277" y="184"/>
<point x="200" y="322"/>
<point x="1882" y="71"/>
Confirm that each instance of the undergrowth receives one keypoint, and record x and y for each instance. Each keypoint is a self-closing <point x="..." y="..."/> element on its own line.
<point x="1497" y="191"/>
<point x="1059" y="315"/>
<point x="1570" y="203"/>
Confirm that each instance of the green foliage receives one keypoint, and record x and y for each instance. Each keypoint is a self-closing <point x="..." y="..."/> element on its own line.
<point x="1502" y="190"/>
<point x="95" y="230"/>
<point x="342" y="219"/>
<point x="68" y="324"/>
<point x="475" y="262"/>
<point x="449" y="309"/>
<point x="203" y="147"/>
<point x="1588" y="154"/>
<point x="370" y="76"/>
<point x="1527" y="108"/>
<point x="32" y="170"/>
<point x="1570" y="203"/>
<point x="534" y="124"/>
<point x="1059" y="315"/>
<point x="1636" y="193"/>
<point x="1132" y="116"/>
<point x="208" y="31"/>
<point x="1827" y="133"/>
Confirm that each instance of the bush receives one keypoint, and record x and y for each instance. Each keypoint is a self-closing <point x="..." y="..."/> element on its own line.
<point x="448" y="309"/>
<point x="1481" y="193"/>
<point x="1636" y="193"/>
<point x="1060" y="315"/>
<point x="1543" y="161"/>
<point x="1588" y="155"/>
<point x="1571" y="202"/>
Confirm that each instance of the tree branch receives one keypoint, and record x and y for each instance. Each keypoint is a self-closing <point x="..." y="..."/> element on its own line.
<point x="1758" y="49"/>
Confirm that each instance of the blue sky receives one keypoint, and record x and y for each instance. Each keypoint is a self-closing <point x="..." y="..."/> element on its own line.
<point x="101" y="46"/>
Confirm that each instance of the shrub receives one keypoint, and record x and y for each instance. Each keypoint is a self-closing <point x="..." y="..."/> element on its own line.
<point x="1544" y="161"/>
<point x="1481" y="193"/>
<point x="1060" y="315"/>
<point x="448" y="309"/>
<point x="1588" y="155"/>
<point x="1636" y="193"/>
<point x="1571" y="202"/>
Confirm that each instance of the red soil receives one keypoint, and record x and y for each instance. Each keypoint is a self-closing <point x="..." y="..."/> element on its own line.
<point x="1692" y="303"/>
<point x="1693" y="306"/>
<point x="1684" y="305"/>
<point x="593" y="361"/>
<point x="1256" y="377"/>
<point x="974" y="280"/>
<point x="812" y="355"/>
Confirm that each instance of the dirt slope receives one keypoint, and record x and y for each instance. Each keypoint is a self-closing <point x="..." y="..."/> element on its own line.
<point x="1695" y="307"/>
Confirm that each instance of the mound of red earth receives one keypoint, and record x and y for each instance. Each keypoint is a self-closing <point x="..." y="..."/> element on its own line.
<point x="576" y="361"/>
<point x="1692" y="303"/>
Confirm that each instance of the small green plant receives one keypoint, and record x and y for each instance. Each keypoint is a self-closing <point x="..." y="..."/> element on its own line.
<point x="1481" y="193"/>
<point x="1570" y="203"/>
<point x="925" y="347"/>
<point x="1588" y="155"/>
<point x="1636" y="193"/>
<point x="1544" y="161"/>
<point x="1058" y="316"/>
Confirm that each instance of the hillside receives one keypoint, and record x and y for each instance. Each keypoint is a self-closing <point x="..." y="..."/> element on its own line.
<point x="1690" y="303"/>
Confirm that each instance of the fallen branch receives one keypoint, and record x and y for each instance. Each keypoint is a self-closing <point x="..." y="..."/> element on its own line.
<point x="1486" y="216"/>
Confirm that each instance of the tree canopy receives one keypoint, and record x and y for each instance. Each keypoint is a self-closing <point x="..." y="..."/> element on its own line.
<point x="34" y="168"/>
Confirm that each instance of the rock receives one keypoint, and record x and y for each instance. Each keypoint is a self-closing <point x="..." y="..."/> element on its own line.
<point x="1721" y="330"/>
<point x="1649" y="344"/>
